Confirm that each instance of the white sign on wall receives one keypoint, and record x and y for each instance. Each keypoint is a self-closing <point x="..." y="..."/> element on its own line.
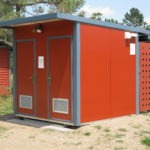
<point x="40" y="62"/>
<point x="132" y="49"/>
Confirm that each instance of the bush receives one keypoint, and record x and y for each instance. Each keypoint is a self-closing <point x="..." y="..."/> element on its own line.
<point x="146" y="141"/>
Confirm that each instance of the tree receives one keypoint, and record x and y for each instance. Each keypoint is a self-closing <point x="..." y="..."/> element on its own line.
<point x="96" y="15"/>
<point x="82" y="13"/>
<point x="10" y="9"/>
<point x="111" y="20"/>
<point x="38" y="6"/>
<point x="134" y="18"/>
<point x="6" y="11"/>
<point x="69" y="6"/>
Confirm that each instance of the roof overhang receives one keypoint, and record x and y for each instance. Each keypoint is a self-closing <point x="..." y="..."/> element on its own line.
<point x="60" y="16"/>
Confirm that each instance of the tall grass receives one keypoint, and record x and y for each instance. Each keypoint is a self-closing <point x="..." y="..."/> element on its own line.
<point x="6" y="105"/>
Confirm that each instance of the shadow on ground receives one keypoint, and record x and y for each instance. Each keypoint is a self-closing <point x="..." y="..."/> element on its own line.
<point x="7" y="117"/>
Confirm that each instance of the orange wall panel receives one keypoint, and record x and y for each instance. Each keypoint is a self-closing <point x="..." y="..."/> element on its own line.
<point x="123" y="75"/>
<point x="95" y="73"/>
<point x="107" y="74"/>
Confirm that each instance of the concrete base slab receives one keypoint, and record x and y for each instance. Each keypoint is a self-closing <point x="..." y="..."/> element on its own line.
<point x="41" y="124"/>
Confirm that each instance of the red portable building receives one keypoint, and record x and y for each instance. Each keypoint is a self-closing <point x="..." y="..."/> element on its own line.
<point x="74" y="70"/>
<point x="4" y="68"/>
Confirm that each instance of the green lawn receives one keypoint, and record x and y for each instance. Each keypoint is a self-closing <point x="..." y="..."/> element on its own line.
<point x="6" y="105"/>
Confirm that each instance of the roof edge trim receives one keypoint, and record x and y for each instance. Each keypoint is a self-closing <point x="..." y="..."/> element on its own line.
<point x="9" y="23"/>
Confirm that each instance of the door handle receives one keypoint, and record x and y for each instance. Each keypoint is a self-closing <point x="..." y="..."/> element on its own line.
<point x="32" y="78"/>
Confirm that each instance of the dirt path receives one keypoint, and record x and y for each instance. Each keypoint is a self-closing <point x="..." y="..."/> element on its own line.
<point x="124" y="133"/>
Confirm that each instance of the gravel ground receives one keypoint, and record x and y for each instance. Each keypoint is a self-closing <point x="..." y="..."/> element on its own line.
<point x="123" y="133"/>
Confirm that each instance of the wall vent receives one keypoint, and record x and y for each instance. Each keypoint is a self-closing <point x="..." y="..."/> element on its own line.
<point x="60" y="105"/>
<point x="25" y="101"/>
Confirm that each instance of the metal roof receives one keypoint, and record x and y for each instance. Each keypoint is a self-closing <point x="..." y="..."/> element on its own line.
<point x="61" y="16"/>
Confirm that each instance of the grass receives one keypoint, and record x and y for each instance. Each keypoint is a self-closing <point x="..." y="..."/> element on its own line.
<point x="118" y="148"/>
<point x="136" y="126"/>
<point x="145" y="114"/>
<point x="146" y="141"/>
<point x="78" y="143"/>
<point x="106" y="130"/>
<point x="3" y="129"/>
<point x="91" y="147"/>
<point x="6" y="105"/>
<point x="122" y="129"/>
<point x="47" y="130"/>
<point x="98" y="127"/>
<point x="119" y="141"/>
<point x="87" y="133"/>
<point x="31" y="137"/>
<point x="143" y="133"/>
<point x="119" y="135"/>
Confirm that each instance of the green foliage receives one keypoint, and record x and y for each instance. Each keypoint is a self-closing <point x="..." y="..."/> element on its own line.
<point x="119" y="135"/>
<point x="70" y="6"/>
<point x="146" y="141"/>
<point x="82" y="13"/>
<point x="6" y="105"/>
<point x="6" y="11"/>
<point x="106" y="130"/>
<point x="10" y="9"/>
<point x="119" y="141"/>
<point x="96" y="15"/>
<point x="111" y="20"/>
<point x="87" y="133"/>
<point x="44" y="6"/>
<point x="122" y="129"/>
<point x="3" y="129"/>
<point x="119" y="148"/>
<point x="98" y="127"/>
<point x="134" y="18"/>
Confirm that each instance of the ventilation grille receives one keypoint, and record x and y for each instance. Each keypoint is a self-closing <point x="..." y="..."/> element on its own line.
<point x="60" y="105"/>
<point x="25" y="101"/>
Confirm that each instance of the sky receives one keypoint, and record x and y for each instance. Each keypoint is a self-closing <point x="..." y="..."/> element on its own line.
<point x="117" y="8"/>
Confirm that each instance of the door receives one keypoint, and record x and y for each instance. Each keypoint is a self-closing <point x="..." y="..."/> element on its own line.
<point x="144" y="76"/>
<point x="25" y="63"/>
<point x="59" y="78"/>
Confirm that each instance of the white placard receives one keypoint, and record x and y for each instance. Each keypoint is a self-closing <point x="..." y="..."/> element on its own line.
<point x="132" y="49"/>
<point x="41" y="62"/>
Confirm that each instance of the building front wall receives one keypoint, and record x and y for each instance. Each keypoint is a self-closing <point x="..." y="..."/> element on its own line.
<point x="41" y="43"/>
<point x="108" y="74"/>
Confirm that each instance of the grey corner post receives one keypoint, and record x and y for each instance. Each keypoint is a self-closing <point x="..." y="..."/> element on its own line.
<point x="137" y="75"/>
<point x="76" y="83"/>
<point x="14" y="75"/>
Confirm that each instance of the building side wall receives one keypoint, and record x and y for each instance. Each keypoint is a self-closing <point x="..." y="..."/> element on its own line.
<point x="108" y="74"/>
